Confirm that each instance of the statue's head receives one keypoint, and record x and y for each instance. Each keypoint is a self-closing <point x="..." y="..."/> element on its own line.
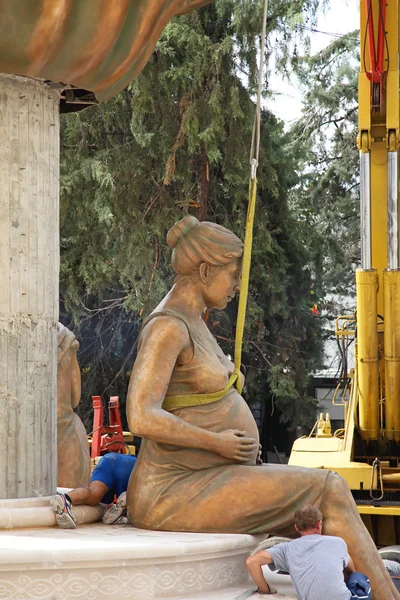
<point x="208" y="254"/>
<point x="195" y="242"/>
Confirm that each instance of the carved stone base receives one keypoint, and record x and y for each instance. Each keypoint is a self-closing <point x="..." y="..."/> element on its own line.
<point x="98" y="562"/>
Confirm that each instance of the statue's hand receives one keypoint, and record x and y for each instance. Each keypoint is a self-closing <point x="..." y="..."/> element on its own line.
<point x="259" y="455"/>
<point x="232" y="444"/>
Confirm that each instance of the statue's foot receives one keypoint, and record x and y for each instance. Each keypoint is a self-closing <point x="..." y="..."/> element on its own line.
<point x="391" y="559"/>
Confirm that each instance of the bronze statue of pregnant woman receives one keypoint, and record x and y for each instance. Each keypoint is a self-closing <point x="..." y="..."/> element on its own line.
<point x="197" y="468"/>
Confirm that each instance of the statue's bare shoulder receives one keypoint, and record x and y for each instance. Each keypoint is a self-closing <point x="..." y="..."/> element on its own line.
<point x="166" y="333"/>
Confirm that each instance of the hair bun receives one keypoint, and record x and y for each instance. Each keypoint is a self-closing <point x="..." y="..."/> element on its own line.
<point x="180" y="229"/>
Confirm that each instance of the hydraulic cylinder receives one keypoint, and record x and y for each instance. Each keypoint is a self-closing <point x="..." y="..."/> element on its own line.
<point x="391" y="291"/>
<point x="365" y="209"/>
<point x="393" y="209"/>
<point x="367" y="353"/>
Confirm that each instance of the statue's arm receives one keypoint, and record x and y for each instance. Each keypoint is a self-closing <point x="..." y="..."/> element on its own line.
<point x="75" y="381"/>
<point x="163" y="340"/>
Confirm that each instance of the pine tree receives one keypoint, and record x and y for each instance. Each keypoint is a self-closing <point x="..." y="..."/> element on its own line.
<point x="326" y="199"/>
<point x="329" y="184"/>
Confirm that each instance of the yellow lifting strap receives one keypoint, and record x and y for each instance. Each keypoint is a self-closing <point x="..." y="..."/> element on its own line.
<point x="183" y="401"/>
<point x="248" y="240"/>
<point x="244" y="286"/>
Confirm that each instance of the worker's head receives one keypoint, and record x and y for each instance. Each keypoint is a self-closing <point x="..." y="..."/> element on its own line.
<point x="208" y="254"/>
<point x="308" y="519"/>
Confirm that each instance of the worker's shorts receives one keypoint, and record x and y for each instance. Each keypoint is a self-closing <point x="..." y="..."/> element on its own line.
<point x="114" y="471"/>
<point x="359" y="586"/>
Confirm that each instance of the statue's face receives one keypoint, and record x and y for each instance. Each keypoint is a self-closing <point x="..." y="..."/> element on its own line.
<point x="223" y="285"/>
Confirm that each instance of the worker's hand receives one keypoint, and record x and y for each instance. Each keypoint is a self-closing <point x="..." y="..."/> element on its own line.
<point x="271" y="590"/>
<point x="233" y="445"/>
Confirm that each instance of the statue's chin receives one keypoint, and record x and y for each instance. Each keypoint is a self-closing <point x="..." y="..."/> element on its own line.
<point x="219" y="306"/>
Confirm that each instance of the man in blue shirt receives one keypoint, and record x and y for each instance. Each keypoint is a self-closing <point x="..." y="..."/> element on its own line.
<point x="318" y="564"/>
<point x="109" y="479"/>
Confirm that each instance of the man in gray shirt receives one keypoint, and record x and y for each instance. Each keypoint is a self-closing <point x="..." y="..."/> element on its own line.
<point x="318" y="564"/>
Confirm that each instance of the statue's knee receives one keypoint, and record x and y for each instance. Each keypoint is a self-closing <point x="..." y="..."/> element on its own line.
<point x="336" y="486"/>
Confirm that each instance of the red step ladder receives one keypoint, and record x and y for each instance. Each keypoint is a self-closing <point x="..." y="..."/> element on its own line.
<point x="107" y="438"/>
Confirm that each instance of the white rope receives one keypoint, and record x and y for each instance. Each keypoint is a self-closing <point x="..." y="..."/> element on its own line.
<point x="255" y="142"/>
<point x="248" y="238"/>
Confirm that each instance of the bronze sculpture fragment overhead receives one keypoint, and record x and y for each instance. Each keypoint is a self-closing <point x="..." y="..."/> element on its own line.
<point x="97" y="47"/>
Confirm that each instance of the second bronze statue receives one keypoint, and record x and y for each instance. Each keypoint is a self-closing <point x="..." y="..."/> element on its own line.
<point x="73" y="454"/>
<point x="197" y="468"/>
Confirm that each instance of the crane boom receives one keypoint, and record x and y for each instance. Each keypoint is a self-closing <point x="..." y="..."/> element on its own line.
<point x="378" y="279"/>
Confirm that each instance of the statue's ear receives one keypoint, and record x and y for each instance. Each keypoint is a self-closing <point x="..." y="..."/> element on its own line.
<point x="204" y="272"/>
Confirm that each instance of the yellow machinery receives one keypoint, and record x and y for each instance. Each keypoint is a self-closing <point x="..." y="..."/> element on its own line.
<point x="367" y="451"/>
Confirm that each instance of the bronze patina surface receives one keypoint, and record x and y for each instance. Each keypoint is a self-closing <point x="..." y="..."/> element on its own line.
<point x="197" y="468"/>
<point x="72" y="445"/>
<point x="96" y="45"/>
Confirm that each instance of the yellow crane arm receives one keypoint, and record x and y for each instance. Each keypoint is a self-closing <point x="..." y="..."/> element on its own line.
<point x="378" y="279"/>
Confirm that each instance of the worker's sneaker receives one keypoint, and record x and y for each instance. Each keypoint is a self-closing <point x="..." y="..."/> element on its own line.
<point x="116" y="511"/>
<point x="63" y="509"/>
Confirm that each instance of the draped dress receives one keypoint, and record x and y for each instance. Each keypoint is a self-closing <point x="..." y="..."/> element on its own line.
<point x="195" y="490"/>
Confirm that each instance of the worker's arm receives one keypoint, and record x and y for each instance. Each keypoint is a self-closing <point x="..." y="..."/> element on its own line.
<point x="254" y="564"/>
<point x="349" y="568"/>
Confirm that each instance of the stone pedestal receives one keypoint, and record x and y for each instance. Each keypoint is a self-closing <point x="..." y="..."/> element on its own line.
<point x="113" y="562"/>
<point x="29" y="268"/>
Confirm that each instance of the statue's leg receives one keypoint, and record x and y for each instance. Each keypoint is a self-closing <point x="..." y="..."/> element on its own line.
<point x="341" y="518"/>
<point x="228" y="499"/>
<point x="262" y="499"/>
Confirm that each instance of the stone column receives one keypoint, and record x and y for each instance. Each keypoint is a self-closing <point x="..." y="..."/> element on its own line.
<point x="29" y="272"/>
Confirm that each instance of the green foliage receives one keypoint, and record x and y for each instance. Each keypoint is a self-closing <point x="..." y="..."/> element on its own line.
<point x="326" y="200"/>
<point x="177" y="141"/>
<point x="295" y="407"/>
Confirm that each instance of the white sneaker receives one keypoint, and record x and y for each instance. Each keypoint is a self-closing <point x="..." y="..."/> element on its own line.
<point x="116" y="511"/>
<point x="63" y="509"/>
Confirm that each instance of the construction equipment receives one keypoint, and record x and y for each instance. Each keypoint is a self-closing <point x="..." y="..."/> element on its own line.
<point x="107" y="438"/>
<point x="367" y="451"/>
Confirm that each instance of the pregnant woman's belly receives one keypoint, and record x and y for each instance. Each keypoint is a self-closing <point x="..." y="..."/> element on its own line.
<point x="231" y="412"/>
